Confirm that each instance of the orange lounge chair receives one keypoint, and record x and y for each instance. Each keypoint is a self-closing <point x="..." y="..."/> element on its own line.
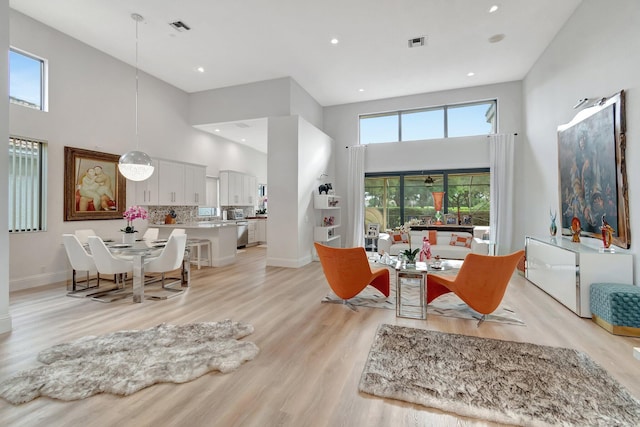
<point x="481" y="281"/>
<point x="348" y="272"/>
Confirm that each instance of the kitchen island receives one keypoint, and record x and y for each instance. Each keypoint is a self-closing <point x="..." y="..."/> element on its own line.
<point x="222" y="234"/>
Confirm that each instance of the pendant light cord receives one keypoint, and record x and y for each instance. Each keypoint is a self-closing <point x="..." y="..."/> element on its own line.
<point x="136" y="17"/>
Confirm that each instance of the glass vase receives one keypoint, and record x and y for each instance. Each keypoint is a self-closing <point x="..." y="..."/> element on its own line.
<point x="128" y="238"/>
<point x="437" y="204"/>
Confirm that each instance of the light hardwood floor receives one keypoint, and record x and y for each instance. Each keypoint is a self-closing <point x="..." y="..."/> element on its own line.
<point x="311" y="354"/>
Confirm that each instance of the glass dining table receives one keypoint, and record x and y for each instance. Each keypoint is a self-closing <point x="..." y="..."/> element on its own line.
<point x="138" y="252"/>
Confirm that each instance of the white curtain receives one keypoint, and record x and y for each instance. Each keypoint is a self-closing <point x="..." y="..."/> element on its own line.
<point x="355" y="194"/>
<point x="502" y="148"/>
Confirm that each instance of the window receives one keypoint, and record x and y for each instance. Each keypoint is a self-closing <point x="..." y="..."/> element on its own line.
<point x="379" y="128"/>
<point x="471" y="119"/>
<point x="391" y="199"/>
<point x="447" y="121"/>
<point x="27" y="189"/>
<point x="27" y="80"/>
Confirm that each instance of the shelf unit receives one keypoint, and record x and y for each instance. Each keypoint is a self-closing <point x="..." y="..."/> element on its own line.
<point x="326" y="230"/>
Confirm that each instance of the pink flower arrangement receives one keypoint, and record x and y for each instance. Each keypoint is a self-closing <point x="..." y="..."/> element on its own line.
<point x="134" y="212"/>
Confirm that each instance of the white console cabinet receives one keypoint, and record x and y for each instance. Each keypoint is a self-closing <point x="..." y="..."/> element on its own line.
<point x="565" y="270"/>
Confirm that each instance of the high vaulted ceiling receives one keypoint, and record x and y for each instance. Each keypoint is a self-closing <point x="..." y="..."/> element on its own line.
<point x="242" y="41"/>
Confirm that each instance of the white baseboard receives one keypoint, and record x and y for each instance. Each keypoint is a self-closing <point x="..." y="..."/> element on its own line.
<point x="287" y="262"/>
<point x="5" y="324"/>
<point x="38" y="280"/>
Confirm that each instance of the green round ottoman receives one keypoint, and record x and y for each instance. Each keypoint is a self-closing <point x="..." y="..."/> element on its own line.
<point x="616" y="307"/>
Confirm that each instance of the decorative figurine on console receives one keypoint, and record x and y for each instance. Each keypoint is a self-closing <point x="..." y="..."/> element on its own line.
<point x="425" y="252"/>
<point x="575" y="229"/>
<point x="607" y="233"/>
<point x="553" y="228"/>
<point x="325" y="187"/>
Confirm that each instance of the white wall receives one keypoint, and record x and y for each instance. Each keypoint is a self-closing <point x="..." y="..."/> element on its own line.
<point x="315" y="157"/>
<point x="92" y="106"/>
<point x="5" y="318"/>
<point x="305" y="106"/>
<point x="257" y="100"/>
<point x="298" y="154"/>
<point x="341" y="123"/>
<point x="594" y="55"/>
<point x="282" y="229"/>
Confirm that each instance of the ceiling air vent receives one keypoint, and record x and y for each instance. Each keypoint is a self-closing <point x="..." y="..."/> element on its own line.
<point x="417" y="41"/>
<point x="179" y="26"/>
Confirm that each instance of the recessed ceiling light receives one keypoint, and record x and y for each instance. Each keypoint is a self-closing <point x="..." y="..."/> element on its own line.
<point x="360" y="90"/>
<point x="496" y="38"/>
<point x="493" y="8"/>
<point x="200" y="69"/>
<point x="471" y="74"/>
<point x="217" y="130"/>
<point x="335" y="41"/>
<point x="243" y="140"/>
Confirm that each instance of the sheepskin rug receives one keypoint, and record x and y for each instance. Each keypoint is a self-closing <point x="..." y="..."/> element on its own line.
<point x="127" y="361"/>
<point x="500" y="381"/>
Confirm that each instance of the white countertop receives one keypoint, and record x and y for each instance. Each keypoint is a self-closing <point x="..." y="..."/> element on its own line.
<point x="202" y="224"/>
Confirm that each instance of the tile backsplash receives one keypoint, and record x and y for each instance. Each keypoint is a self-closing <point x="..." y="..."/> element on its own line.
<point x="184" y="214"/>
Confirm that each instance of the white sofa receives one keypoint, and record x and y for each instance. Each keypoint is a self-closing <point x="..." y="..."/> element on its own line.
<point x="442" y="246"/>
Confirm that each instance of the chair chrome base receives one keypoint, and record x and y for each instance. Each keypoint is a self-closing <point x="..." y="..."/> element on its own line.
<point x="482" y="319"/>
<point x="166" y="292"/>
<point x="112" y="295"/>
<point x="343" y="302"/>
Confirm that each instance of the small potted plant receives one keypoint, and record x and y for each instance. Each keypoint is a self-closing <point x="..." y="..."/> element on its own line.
<point x="410" y="255"/>
<point x="134" y="212"/>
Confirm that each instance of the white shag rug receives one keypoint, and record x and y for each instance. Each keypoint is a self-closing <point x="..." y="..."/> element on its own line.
<point x="127" y="361"/>
<point x="500" y="381"/>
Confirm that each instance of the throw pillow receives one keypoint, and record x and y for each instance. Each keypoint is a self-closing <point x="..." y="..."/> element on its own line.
<point x="399" y="237"/>
<point x="460" y="240"/>
<point x="433" y="237"/>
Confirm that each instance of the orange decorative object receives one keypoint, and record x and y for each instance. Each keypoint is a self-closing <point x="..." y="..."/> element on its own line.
<point x="348" y="272"/>
<point x="607" y="233"/>
<point x="437" y="204"/>
<point x="575" y="229"/>
<point x="481" y="281"/>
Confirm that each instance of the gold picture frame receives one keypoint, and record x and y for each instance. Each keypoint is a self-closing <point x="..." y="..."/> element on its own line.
<point x="94" y="189"/>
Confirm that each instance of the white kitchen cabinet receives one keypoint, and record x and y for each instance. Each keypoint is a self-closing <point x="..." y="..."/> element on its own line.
<point x="261" y="231"/>
<point x="253" y="235"/>
<point x="212" y="191"/>
<point x="565" y="270"/>
<point x="171" y="183"/>
<point x="195" y="184"/>
<point x="249" y="190"/>
<point x="237" y="189"/>
<point x="146" y="192"/>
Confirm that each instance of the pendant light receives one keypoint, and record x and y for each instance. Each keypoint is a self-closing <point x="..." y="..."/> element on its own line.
<point x="136" y="165"/>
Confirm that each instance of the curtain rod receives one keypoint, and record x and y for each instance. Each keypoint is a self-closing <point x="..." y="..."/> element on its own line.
<point x="514" y="134"/>
<point x="357" y="145"/>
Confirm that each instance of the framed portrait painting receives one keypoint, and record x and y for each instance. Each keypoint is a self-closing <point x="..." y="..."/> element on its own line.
<point x="592" y="171"/>
<point x="93" y="186"/>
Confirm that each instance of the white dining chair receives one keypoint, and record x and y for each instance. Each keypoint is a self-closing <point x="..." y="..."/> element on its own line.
<point x="151" y="234"/>
<point x="80" y="260"/>
<point x="84" y="234"/>
<point x="177" y="231"/>
<point x="170" y="259"/>
<point x="106" y="263"/>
